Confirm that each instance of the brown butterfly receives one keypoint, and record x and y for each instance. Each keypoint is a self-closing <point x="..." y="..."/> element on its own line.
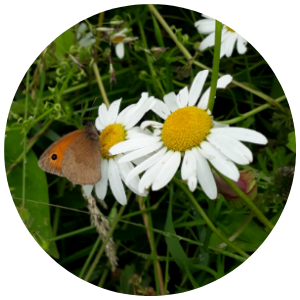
<point x="75" y="156"/>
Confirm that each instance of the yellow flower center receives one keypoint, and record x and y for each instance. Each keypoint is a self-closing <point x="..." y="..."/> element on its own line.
<point x="110" y="136"/>
<point x="117" y="39"/>
<point x="186" y="128"/>
<point x="230" y="29"/>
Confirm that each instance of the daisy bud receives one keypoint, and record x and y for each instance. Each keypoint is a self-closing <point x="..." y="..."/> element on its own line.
<point x="130" y="39"/>
<point x="105" y="29"/>
<point x="116" y="22"/>
<point x="246" y="183"/>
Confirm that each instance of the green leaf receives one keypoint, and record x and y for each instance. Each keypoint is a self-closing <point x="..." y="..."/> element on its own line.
<point x="37" y="216"/>
<point x="249" y="240"/>
<point x="63" y="43"/>
<point x="292" y="141"/>
<point x="126" y="275"/>
<point x="174" y="245"/>
<point x="158" y="33"/>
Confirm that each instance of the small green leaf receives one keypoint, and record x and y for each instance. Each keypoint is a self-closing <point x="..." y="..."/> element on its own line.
<point x="63" y="43"/>
<point x="292" y="141"/>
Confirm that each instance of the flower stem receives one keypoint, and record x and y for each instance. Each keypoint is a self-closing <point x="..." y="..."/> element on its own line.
<point x="217" y="49"/>
<point x="152" y="71"/>
<point x="188" y="56"/>
<point x="156" y="265"/>
<point x="25" y="140"/>
<point x="252" y="112"/>
<point x="100" y="84"/>
<point x="207" y="220"/>
<point x="247" y="201"/>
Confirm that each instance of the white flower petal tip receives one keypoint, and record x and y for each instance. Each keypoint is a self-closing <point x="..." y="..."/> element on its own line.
<point x="87" y="189"/>
<point x="197" y="87"/>
<point x="242" y="134"/>
<point x="183" y="97"/>
<point x="120" y="51"/>
<point x="224" y="81"/>
<point x="192" y="183"/>
<point x="221" y="162"/>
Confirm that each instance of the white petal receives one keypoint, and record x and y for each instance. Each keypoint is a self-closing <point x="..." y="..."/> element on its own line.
<point x="103" y="114"/>
<point x="137" y="132"/>
<point x="139" y="113"/>
<point x="183" y="97"/>
<point x="209" y="41"/>
<point x="219" y="125"/>
<point x="157" y="132"/>
<point x="241" y="45"/>
<point x="101" y="186"/>
<point x="221" y="162"/>
<point x="114" y="109"/>
<point x="242" y="134"/>
<point x="99" y="124"/>
<point x="230" y="43"/>
<point x="150" y="175"/>
<point x="153" y="124"/>
<point x="192" y="183"/>
<point x="197" y="87"/>
<point x="206" y="26"/>
<point x="231" y="148"/>
<point x="145" y="164"/>
<point x="161" y="109"/>
<point x="205" y="176"/>
<point x="168" y="170"/>
<point x="171" y="101"/>
<point x="120" y="50"/>
<point x="133" y="144"/>
<point x="123" y="113"/>
<point x="221" y="84"/>
<point x="115" y="182"/>
<point x="140" y="152"/>
<point x="136" y="113"/>
<point x="87" y="189"/>
<point x="120" y="33"/>
<point x="188" y="167"/>
<point x="124" y="171"/>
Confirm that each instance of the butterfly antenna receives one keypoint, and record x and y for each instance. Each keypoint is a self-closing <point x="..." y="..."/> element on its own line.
<point x="91" y="109"/>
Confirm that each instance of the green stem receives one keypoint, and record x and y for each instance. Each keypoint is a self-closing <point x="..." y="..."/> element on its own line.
<point x="166" y="272"/>
<point x="154" y="255"/>
<point x="25" y="140"/>
<point x="66" y="235"/>
<point x="20" y="158"/>
<point x="252" y="112"/>
<point x="109" y="234"/>
<point x="42" y="116"/>
<point x="247" y="201"/>
<point x="150" y="65"/>
<point x="189" y="57"/>
<point x="88" y="260"/>
<point x="217" y="49"/>
<point x="207" y="220"/>
<point x="100" y="84"/>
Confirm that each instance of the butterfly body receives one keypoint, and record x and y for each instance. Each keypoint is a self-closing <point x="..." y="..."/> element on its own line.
<point x="75" y="156"/>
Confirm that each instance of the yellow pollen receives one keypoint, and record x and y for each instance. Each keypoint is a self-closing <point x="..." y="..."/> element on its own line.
<point x="110" y="136"/>
<point x="230" y="29"/>
<point x="117" y="39"/>
<point x="186" y="128"/>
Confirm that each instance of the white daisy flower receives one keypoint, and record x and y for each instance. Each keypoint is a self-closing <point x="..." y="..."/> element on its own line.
<point x="118" y="39"/>
<point x="114" y="128"/>
<point x="188" y="131"/>
<point x="228" y="41"/>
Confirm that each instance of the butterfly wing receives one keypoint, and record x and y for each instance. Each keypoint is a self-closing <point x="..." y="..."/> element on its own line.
<point x="51" y="159"/>
<point x="82" y="159"/>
